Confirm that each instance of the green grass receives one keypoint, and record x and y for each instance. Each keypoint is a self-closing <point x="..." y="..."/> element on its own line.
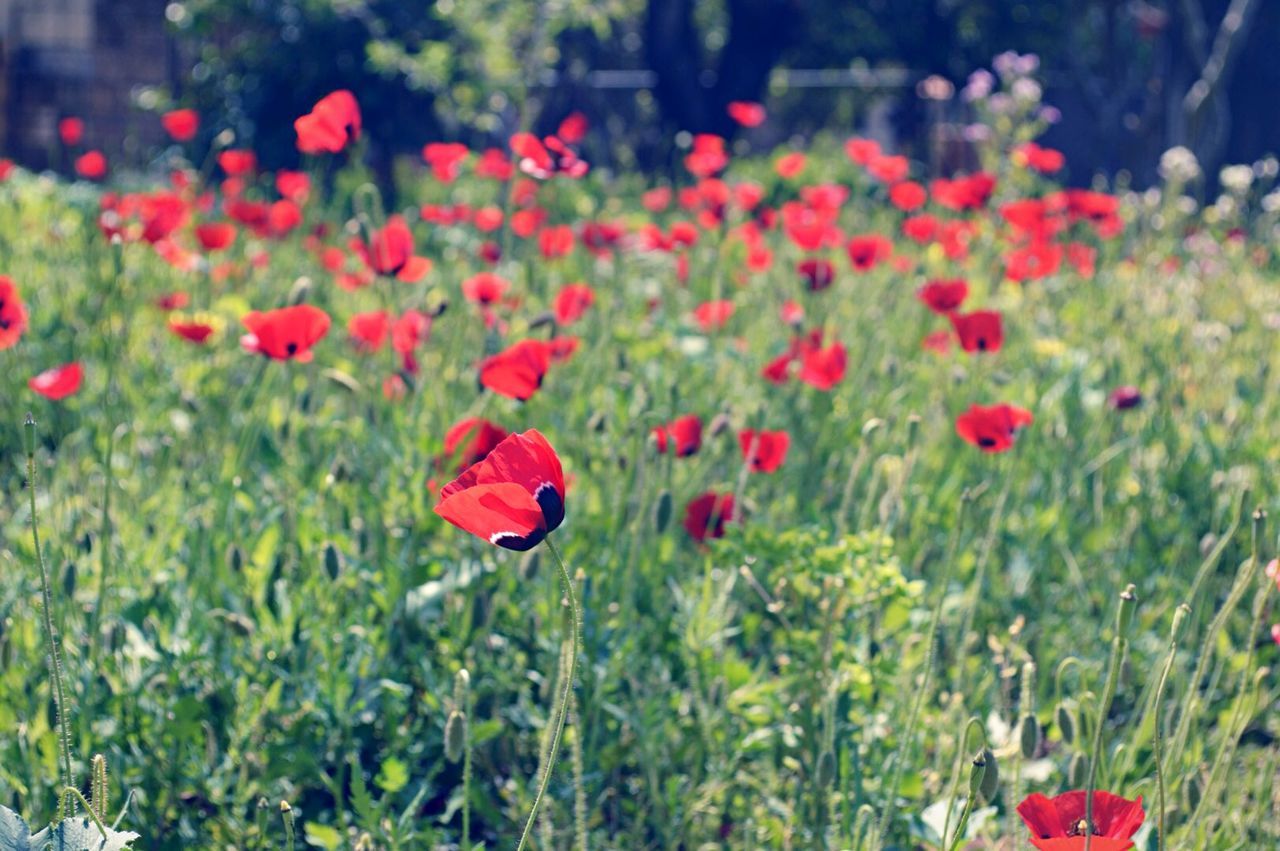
<point x="257" y="604"/>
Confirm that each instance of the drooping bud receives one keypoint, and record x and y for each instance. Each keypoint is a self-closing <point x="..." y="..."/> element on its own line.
<point x="1065" y="721"/>
<point x="991" y="777"/>
<point x="1179" y="619"/>
<point x="332" y="560"/>
<point x="1192" y="790"/>
<point x="1078" y="771"/>
<point x="662" y="511"/>
<point x="1029" y="735"/>
<point x="235" y="558"/>
<point x="977" y="774"/>
<point x="826" y="772"/>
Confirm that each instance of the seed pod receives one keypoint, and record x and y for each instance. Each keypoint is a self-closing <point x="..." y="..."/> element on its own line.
<point x="332" y="561"/>
<point x="1065" y="722"/>
<point x="991" y="777"/>
<point x="1030" y="735"/>
<point x="977" y="773"/>
<point x="235" y="558"/>
<point x="662" y="511"/>
<point x="546" y="317"/>
<point x="826" y="773"/>
<point x="455" y="736"/>
<point x="1124" y="615"/>
<point x="1191" y="793"/>
<point x="462" y="688"/>
<point x="1077" y="771"/>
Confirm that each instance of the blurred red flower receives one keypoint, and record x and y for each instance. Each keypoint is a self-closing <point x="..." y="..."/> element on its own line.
<point x="285" y="334"/>
<point x="59" y="382"/>
<point x="992" y="428"/>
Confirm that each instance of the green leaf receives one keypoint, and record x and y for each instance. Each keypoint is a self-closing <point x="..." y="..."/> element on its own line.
<point x="393" y="776"/>
<point x="323" y="836"/>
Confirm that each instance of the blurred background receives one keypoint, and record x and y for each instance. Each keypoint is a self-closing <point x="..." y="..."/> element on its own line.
<point x="1127" y="79"/>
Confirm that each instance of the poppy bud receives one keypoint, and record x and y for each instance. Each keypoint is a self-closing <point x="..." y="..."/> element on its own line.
<point x="871" y="426"/>
<point x="662" y="511"/>
<point x="437" y="310"/>
<point x="826" y="772"/>
<point x="455" y="736"/>
<point x="546" y="317"/>
<point x="596" y="422"/>
<point x="462" y="687"/>
<point x="1128" y="602"/>
<point x="1065" y="722"/>
<point x="1029" y="733"/>
<point x="29" y="435"/>
<point x="1191" y="792"/>
<point x="235" y="558"/>
<point x="990" y="782"/>
<point x="977" y="774"/>
<point x="1179" y="618"/>
<point x="300" y="290"/>
<point x="718" y="424"/>
<point x="529" y="564"/>
<point x="1077" y="771"/>
<point x="332" y="560"/>
<point x="69" y="578"/>
<point x="86" y="543"/>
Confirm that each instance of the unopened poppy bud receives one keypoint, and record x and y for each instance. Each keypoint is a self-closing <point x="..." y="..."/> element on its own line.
<point x="300" y="290"/>
<point x="455" y="736"/>
<point x="235" y="558"/>
<point x="991" y="777"/>
<point x="438" y="309"/>
<point x="913" y="428"/>
<point x="977" y="774"/>
<point x="69" y="579"/>
<point x="1029" y="735"/>
<point x="871" y="426"/>
<point x="662" y="511"/>
<point x="332" y="560"/>
<point x="1065" y="722"/>
<point x="1191" y="792"/>
<point x="285" y="808"/>
<point x="826" y="773"/>
<point x="29" y="435"/>
<point x="1124" y="616"/>
<point x="86" y="543"/>
<point x="1179" y="619"/>
<point x="597" y="422"/>
<point x="546" y="317"/>
<point x="462" y="687"/>
<point x="529" y="565"/>
<point x="719" y="424"/>
<point x="1077" y="771"/>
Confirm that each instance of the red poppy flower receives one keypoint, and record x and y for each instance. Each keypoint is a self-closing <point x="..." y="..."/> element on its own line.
<point x="817" y="274"/>
<point x="285" y="334"/>
<point x="791" y="312"/>
<point x="555" y="241"/>
<point x="683" y="435"/>
<point x="1032" y="262"/>
<point x="13" y="314"/>
<point x="938" y="342"/>
<point x="6" y="169"/>
<point x="708" y="156"/>
<point x="824" y="368"/>
<point x="705" y="516"/>
<point x="181" y="124"/>
<point x="390" y="252"/>
<point x="943" y="297"/>
<point x="59" y="382"/>
<point x="1122" y="398"/>
<point x="572" y="302"/>
<point x="908" y="195"/>
<point x="574" y="128"/>
<point x="562" y="349"/>
<point x="172" y="301"/>
<point x="369" y="330"/>
<point x="1058" y="824"/>
<point x="512" y="498"/>
<point x="91" y="165"/>
<point x="921" y="229"/>
<point x="980" y="331"/>
<point x="469" y="442"/>
<point x="495" y="165"/>
<point x="411" y="330"/>
<point x="764" y="451"/>
<point x="330" y="125"/>
<point x="237" y="162"/>
<point x="713" y="314"/>
<point x="485" y="288"/>
<point x="194" y="330"/>
<point x="790" y="165"/>
<point x="889" y="169"/>
<point x="992" y="428"/>
<point x="282" y="217"/>
<point x="656" y="200"/>
<point x="71" y="131"/>
<point x="861" y="151"/>
<point x="445" y="159"/>
<point x="1043" y="160"/>
<point x="294" y="185"/>
<point x="746" y="113"/>
<point x="868" y="251"/>
<point x="517" y="371"/>
<point x="963" y="193"/>
<point x="215" y="236"/>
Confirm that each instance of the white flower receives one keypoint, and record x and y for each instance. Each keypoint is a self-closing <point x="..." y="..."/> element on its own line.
<point x="1179" y="165"/>
<point x="1236" y="178"/>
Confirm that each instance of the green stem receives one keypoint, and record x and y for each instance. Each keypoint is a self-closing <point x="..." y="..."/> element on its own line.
<point x="562" y="711"/>
<point x="1118" y="647"/>
<point x="51" y="637"/>
<point x="1178" y="618"/>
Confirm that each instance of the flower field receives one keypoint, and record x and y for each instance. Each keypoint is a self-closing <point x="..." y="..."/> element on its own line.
<point x="793" y="499"/>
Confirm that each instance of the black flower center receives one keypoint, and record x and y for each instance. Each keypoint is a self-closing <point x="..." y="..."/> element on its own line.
<point x="986" y="442"/>
<point x="291" y="349"/>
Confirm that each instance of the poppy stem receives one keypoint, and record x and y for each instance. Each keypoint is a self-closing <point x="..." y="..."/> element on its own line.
<point x="1179" y="617"/>
<point x="50" y="636"/>
<point x="1119" y="645"/>
<point x="562" y="710"/>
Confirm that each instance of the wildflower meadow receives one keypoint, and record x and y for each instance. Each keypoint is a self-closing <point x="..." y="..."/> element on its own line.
<point x="798" y="497"/>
